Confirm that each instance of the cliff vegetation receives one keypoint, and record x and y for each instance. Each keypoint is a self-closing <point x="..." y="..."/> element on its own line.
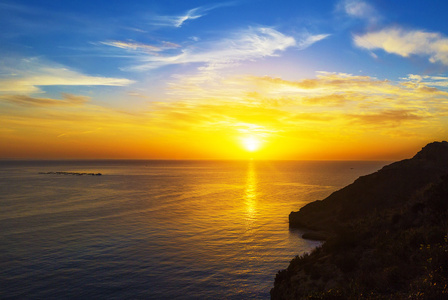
<point x="385" y="236"/>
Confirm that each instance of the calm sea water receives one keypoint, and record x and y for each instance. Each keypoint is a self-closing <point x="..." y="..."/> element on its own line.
<point x="155" y="229"/>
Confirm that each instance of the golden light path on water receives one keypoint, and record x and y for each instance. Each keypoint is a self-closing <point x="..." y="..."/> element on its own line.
<point x="251" y="194"/>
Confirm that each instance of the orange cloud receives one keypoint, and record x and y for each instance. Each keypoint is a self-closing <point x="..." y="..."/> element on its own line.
<point x="23" y="100"/>
<point x="202" y="119"/>
<point x="387" y="117"/>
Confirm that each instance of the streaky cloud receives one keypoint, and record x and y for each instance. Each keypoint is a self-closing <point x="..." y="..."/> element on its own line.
<point x="250" y="44"/>
<point x="24" y="100"/>
<point x="30" y="73"/>
<point x="176" y="21"/>
<point x="339" y="96"/>
<point x="387" y="118"/>
<point x="132" y="45"/>
<point x="405" y="43"/>
<point x="310" y="39"/>
<point x="192" y="14"/>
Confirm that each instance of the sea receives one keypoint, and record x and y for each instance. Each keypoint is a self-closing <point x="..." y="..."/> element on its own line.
<point x="156" y="229"/>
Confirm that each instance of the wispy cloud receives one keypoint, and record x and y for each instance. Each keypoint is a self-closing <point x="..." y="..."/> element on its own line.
<point x="330" y="107"/>
<point x="338" y="95"/>
<point x="309" y="39"/>
<point x="24" y="76"/>
<point x="136" y="46"/>
<point x="192" y="14"/>
<point x="23" y="100"/>
<point x="178" y="20"/>
<point x="325" y="84"/>
<point x="361" y="10"/>
<point x="76" y="133"/>
<point x="387" y="118"/>
<point x="244" y="45"/>
<point x="406" y="43"/>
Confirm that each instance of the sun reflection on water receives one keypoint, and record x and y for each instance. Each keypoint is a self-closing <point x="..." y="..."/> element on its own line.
<point x="250" y="197"/>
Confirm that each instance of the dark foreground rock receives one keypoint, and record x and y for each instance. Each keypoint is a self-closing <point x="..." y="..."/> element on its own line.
<point x="388" y="188"/>
<point x="386" y="236"/>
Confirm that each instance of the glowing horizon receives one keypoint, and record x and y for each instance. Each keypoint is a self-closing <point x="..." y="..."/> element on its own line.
<point x="334" y="80"/>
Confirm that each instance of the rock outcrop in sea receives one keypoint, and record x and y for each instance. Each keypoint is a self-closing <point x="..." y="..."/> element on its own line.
<point x="70" y="173"/>
<point x="386" y="236"/>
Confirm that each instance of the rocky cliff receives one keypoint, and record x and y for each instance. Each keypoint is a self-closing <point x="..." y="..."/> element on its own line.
<point x="388" y="188"/>
<point x="386" y="236"/>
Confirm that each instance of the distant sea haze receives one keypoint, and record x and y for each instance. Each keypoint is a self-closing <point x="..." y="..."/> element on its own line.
<point x="155" y="229"/>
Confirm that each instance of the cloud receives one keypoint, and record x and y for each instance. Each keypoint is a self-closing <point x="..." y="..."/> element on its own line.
<point x="244" y="45"/>
<point x="310" y="39"/>
<point x="325" y="84"/>
<point x="221" y="116"/>
<point x="132" y="45"/>
<point x="426" y="80"/>
<point x="339" y="98"/>
<point x="311" y="117"/>
<point x="387" y="118"/>
<point x="24" y="76"/>
<point x="327" y="100"/>
<point x="360" y="10"/>
<point x="406" y="43"/>
<point x="330" y="107"/>
<point x="23" y="100"/>
<point x="339" y="92"/>
<point x="192" y="14"/>
<point x="177" y="21"/>
<point x="77" y="133"/>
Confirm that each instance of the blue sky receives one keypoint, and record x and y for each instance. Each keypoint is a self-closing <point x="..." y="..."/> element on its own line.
<point x="140" y="57"/>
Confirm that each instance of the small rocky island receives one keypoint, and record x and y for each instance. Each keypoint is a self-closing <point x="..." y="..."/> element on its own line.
<point x="71" y="173"/>
<point x="385" y="236"/>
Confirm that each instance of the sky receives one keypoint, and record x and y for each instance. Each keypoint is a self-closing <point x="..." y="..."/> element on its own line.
<point x="299" y="80"/>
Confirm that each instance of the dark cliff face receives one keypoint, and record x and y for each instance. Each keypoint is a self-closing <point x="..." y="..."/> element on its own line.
<point x="387" y="188"/>
<point x="387" y="236"/>
<point x="437" y="152"/>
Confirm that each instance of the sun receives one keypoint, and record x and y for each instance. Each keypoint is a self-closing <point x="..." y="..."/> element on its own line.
<point x="251" y="143"/>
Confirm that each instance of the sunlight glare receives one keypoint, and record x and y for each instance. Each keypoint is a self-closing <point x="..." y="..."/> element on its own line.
<point x="251" y="143"/>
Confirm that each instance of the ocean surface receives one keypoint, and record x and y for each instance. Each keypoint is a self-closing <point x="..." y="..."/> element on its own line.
<point x="156" y="229"/>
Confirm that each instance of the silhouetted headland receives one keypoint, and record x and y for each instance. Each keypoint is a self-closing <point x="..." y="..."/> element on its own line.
<point x="385" y="236"/>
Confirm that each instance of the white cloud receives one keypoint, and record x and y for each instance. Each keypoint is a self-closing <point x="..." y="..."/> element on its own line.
<point x="245" y="45"/>
<point x="360" y="9"/>
<point x="132" y="45"/>
<point x="177" y="21"/>
<point x="192" y="14"/>
<point x="431" y="81"/>
<point x="310" y="39"/>
<point x="26" y="75"/>
<point x="407" y="42"/>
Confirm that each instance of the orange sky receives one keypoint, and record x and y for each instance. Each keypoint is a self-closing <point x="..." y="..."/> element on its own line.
<point x="331" y="116"/>
<point x="346" y="80"/>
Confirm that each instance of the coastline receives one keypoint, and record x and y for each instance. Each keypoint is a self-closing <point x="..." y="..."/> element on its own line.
<point x="379" y="232"/>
